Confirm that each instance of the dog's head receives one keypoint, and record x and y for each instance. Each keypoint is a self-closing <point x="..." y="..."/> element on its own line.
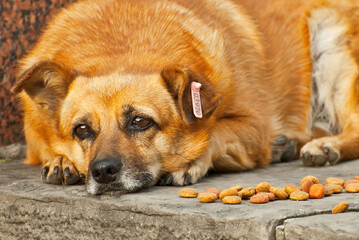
<point x="129" y="128"/>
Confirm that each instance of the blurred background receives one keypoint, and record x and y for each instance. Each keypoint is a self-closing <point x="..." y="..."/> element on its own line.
<point x="21" y="23"/>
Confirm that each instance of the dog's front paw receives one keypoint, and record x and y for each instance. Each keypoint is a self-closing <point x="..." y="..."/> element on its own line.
<point x="283" y="149"/>
<point x="186" y="176"/>
<point x="318" y="152"/>
<point x="169" y="179"/>
<point x="60" y="171"/>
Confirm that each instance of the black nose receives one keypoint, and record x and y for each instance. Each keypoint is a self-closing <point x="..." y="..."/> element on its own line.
<point x="105" y="170"/>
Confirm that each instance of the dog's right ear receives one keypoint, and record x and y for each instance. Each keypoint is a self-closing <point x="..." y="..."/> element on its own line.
<point x="178" y="80"/>
<point x="46" y="83"/>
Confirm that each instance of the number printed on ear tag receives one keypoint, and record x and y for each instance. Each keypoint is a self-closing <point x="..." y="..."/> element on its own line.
<point x="196" y="99"/>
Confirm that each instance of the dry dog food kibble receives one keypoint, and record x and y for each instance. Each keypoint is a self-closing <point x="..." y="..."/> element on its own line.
<point x="228" y="192"/>
<point x="352" y="188"/>
<point x="270" y="195"/>
<point x="341" y="207"/>
<point x="207" y="197"/>
<point x="306" y="185"/>
<point x="232" y="200"/>
<point x="263" y="187"/>
<point x="259" y="198"/>
<point x="350" y="181"/>
<point x="327" y="191"/>
<point x="316" y="191"/>
<point x="291" y="188"/>
<point x="214" y="190"/>
<point x="247" y="192"/>
<point x="188" y="193"/>
<point x="299" y="196"/>
<point x="335" y="188"/>
<point x="237" y="187"/>
<point x="264" y="192"/>
<point x="332" y="180"/>
<point x="279" y="193"/>
<point x="311" y="178"/>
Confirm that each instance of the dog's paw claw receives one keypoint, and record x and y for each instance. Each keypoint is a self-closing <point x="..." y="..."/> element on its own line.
<point x="188" y="179"/>
<point x="333" y="158"/>
<point x="169" y="179"/>
<point x="71" y="178"/>
<point x="306" y="159"/>
<point x="306" y="156"/>
<point x="44" y="172"/>
<point x="54" y="176"/>
<point x="319" y="160"/>
<point x="66" y="172"/>
<point x="55" y="171"/>
<point x="165" y="180"/>
<point x="289" y="154"/>
<point x="326" y="150"/>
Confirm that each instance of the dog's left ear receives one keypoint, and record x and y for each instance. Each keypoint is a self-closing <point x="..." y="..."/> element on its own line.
<point x="46" y="83"/>
<point x="178" y="80"/>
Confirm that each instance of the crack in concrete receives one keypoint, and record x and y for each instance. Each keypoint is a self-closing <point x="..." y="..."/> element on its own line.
<point x="140" y="212"/>
<point x="280" y="224"/>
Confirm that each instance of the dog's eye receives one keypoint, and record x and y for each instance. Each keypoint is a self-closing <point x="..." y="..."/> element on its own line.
<point x="141" y="123"/>
<point x="82" y="131"/>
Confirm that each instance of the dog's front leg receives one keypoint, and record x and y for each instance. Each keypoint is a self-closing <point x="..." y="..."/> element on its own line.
<point x="241" y="143"/>
<point x="190" y="173"/>
<point x="236" y="144"/>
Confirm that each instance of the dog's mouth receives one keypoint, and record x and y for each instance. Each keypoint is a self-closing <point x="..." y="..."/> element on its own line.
<point x="125" y="182"/>
<point x="110" y="175"/>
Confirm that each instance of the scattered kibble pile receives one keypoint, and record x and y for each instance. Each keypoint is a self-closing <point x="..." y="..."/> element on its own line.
<point x="264" y="192"/>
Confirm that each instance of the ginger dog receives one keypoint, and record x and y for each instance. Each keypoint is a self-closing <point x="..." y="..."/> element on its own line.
<point x="130" y="93"/>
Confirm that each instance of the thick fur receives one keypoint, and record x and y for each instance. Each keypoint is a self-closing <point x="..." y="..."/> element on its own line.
<point x="267" y="69"/>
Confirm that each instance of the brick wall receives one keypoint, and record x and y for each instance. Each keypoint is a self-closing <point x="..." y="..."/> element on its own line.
<point x="21" y="22"/>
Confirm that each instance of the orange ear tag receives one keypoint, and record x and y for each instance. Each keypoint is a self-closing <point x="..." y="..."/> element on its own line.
<point x="196" y="99"/>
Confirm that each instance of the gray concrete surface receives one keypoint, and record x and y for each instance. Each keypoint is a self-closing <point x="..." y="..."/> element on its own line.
<point x="13" y="151"/>
<point x="30" y="209"/>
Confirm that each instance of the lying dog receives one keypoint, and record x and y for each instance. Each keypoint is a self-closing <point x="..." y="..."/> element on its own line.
<point x="129" y="93"/>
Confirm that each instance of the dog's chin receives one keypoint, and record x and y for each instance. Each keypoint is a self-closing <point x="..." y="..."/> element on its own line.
<point x="123" y="184"/>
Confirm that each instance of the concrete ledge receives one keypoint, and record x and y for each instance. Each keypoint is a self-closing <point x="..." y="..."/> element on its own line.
<point x="30" y="209"/>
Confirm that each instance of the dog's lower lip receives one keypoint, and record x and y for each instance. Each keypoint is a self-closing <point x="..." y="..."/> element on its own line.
<point x="102" y="191"/>
<point x="95" y="188"/>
